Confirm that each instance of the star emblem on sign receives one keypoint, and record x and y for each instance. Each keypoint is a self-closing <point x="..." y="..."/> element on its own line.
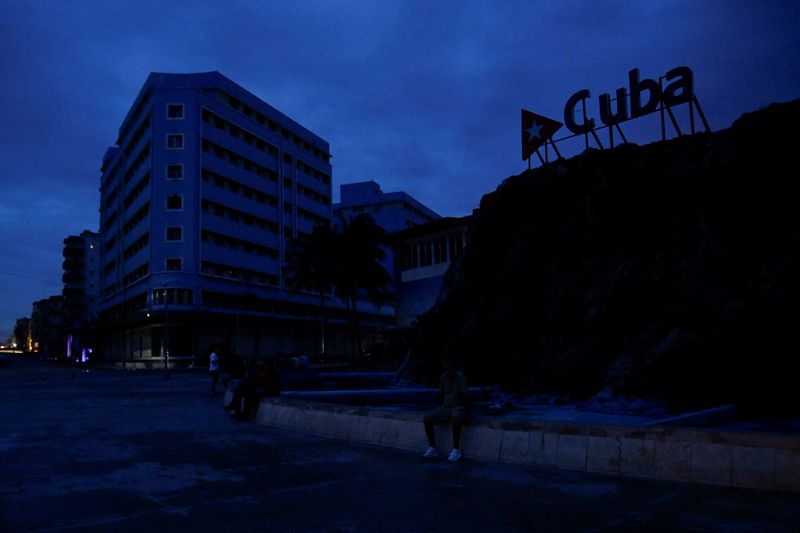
<point x="536" y="130"/>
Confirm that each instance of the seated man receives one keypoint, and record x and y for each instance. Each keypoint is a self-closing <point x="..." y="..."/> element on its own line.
<point x="451" y="399"/>
<point x="263" y="380"/>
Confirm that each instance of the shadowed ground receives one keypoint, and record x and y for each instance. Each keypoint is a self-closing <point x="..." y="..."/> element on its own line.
<point x="102" y="451"/>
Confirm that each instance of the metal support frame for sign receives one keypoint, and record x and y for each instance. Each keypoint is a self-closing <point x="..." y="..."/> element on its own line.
<point x="586" y="135"/>
<point x="693" y="103"/>
<point x="546" y="158"/>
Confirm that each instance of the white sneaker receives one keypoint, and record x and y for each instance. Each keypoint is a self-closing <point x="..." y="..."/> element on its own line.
<point x="455" y="455"/>
<point x="430" y="452"/>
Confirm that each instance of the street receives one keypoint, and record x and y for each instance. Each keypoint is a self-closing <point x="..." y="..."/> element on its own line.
<point x="103" y="450"/>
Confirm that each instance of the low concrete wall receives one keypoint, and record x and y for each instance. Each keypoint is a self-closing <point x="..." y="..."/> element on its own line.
<point x="722" y="458"/>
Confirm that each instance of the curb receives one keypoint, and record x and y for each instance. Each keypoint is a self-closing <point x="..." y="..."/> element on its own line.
<point x="747" y="460"/>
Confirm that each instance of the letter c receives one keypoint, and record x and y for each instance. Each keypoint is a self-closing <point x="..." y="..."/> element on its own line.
<point x="569" y="112"/>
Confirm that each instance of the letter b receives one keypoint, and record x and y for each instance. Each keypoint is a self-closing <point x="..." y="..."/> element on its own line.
<point x="637" y="88"/>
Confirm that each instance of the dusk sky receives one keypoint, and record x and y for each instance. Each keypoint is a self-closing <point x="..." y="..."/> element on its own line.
<point x="423" y="97"/>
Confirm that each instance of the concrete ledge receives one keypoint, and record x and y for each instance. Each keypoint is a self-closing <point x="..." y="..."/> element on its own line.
<point x="762" y="461"/>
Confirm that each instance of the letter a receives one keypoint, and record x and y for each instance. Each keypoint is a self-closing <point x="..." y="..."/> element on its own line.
<point x="683" y="86"/>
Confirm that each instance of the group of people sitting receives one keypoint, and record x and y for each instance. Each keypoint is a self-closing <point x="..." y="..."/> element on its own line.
<point x="262" y="379"/>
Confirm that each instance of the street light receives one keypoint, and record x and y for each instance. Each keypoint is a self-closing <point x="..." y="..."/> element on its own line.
<point x="166" y="335"/>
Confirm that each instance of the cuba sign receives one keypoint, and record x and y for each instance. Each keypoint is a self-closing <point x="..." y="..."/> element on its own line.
<point x="643" y="97"/>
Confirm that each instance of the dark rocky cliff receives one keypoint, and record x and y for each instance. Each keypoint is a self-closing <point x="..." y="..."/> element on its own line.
<point x="669" y="271"/>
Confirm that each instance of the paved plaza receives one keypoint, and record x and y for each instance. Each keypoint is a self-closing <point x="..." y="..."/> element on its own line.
<point x="111" y="451"/>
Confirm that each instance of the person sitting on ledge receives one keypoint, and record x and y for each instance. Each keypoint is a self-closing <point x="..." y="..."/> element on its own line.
<point x="451" y="400"/>
<point x="264" y="380"/>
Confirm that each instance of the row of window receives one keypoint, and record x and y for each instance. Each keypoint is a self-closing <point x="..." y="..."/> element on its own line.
<point x="313" y="172"/>
<point x="134" y="167"/>
<point x="234" y="186"/>
<point x="272" y="125"/>
<point x="111" y="196"/>
<point x="136" y="218"/>
<point x="137" y="135"/>
<point x="141" y="159"/>
<point x="432" y="252"/>
<point x="247" y="302"/>
<point x="130" y="278"/>
<point x="171" y="234"/>
<point x="109" y="221"/>
<point x="241" y="274"/>
<point x="137" y="189"/>
<point x="135" y="247"/>
<point x="313" y="217"/>
<point x="143" y="103"/>
<point x="109" y="244"/>
<point x="238" y="216"/>
<point x="211" y="118"/>
<point x="136" y="274"/>
<point x="239" y="245"/>
<point x="238" y="160"/>
<point x="171" y="296"/>
<point x="129" y="199"/>
<point x="314" y="195"/>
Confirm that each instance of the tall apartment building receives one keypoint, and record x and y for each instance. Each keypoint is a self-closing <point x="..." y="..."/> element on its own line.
<point x="81" y="275"/>
<point x="81" y="289"/>
<point x="200" y="198"/>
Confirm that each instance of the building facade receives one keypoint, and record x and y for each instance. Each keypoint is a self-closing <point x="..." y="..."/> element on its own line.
<point x="47" y="328"/>
<point x="201" y="197"/>
<point x="393" y="211"/>
<point x="423" y="255"/>
<point x="81" y="278"/>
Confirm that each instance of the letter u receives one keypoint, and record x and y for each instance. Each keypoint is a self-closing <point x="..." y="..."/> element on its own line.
<point x="605" y="108"/>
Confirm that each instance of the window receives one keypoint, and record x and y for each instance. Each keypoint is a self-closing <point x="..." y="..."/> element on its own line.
<point x="175" y="111"/>
<point x="174" y="172"/>
<point x="174" y="202"/>
<point x="174" y="263"/>
<point x="175" y="141"/>
<point x="174" y="233"/>
<point x="173" y="296"/>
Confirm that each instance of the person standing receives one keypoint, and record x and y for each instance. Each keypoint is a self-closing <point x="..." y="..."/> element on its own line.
<point x="213" y="370"/>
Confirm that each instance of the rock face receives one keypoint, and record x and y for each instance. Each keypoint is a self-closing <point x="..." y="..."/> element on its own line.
<point x="669" y="271"/>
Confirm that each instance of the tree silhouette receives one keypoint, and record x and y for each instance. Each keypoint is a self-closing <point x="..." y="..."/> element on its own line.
<point x="314" y="263"/>
<point x="347" y="261"/>
<point x="362" y="273"/>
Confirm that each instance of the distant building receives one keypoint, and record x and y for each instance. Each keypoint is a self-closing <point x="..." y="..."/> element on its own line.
<point x="393" y="211"/>
<point x="81" y="280"/>
<point x="47" y="329"/>
<point x="200" y="199"/>
<point x="423" y="254"/>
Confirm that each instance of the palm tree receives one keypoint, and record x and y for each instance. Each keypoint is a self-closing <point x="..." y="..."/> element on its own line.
<point x="348" y="261"/>
<point x="361" y="270"/>
<point x="314" y="263"/>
